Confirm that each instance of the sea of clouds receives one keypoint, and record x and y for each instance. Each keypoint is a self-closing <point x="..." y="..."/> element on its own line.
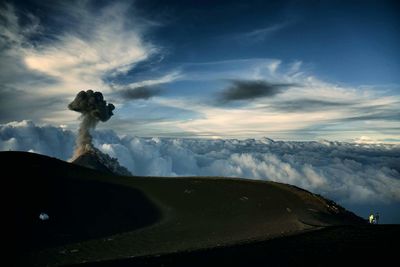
<point x="345" y="172"/>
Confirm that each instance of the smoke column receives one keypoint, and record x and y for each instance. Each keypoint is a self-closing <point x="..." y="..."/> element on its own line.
<point x="93" y="108"/>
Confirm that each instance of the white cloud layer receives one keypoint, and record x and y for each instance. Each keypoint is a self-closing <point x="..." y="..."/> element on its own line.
<point x="346" y="172"/>
<point x="47" y="140"/>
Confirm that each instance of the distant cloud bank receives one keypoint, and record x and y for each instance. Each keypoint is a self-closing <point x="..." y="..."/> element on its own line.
<point x="345" y="172"/>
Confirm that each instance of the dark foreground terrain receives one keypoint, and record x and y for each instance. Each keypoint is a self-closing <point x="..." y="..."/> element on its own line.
<point x="376" y="245"/>
<point x="100" y="219"/>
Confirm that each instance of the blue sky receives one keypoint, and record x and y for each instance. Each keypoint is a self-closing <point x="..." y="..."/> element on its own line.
<point x="290" y="70"/>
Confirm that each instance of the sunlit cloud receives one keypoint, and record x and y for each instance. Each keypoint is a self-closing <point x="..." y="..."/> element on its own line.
<point x="79" y="60"/>
<point x="96" y="43"/>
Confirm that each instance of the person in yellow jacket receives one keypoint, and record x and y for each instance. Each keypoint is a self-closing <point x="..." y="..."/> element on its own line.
<point x="371" y="219"/>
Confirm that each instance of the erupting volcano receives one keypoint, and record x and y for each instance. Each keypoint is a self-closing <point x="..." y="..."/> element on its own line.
<point x="93" y="108"/>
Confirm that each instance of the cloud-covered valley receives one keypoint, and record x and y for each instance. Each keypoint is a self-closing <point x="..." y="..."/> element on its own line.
<point x="346" y="172"/>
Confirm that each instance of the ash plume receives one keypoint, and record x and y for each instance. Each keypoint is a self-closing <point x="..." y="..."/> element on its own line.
<point x="93" y="108"/>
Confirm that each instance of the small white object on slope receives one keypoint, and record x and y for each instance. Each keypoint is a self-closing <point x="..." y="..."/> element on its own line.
<point x="43" y="216"/>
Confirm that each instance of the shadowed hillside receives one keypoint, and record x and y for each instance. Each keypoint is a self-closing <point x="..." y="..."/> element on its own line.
<point x="361" y="245"/>
<point x="96" y="216"/>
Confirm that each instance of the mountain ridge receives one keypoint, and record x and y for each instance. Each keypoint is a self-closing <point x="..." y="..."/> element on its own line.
<point x="95" y="216"/>
<point x="97" y="160"/>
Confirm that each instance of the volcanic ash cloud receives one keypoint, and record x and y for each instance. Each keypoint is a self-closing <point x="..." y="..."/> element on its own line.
<point x="93" y="108"/>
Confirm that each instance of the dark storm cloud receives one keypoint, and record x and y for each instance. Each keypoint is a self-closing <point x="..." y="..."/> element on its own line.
<point x="143" y="92"/>
<point x="251" y="89"/>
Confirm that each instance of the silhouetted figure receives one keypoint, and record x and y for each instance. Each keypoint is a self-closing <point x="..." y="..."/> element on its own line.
<point x="371" y="218"/>
<point x="376" y="218"/>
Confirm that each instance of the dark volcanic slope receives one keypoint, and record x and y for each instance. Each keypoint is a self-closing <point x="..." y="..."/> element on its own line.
<point x="362" y="245"/>
<point x="97" y="160"/>
<point x="349" y="245"/>
<point x="95" y="216"/>
<point x="90" y="161"/>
